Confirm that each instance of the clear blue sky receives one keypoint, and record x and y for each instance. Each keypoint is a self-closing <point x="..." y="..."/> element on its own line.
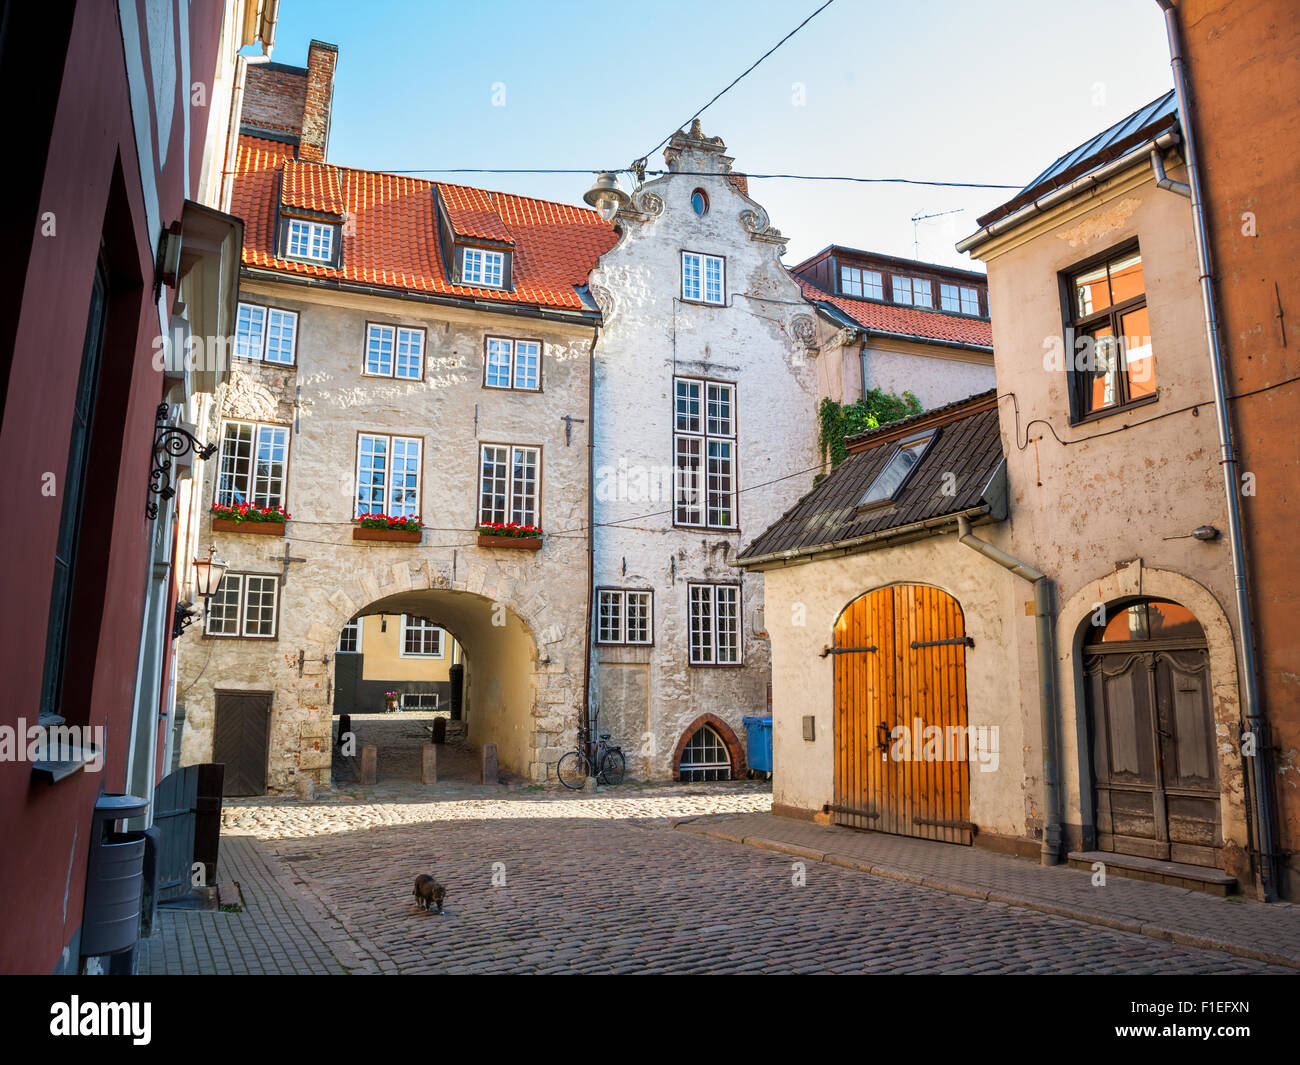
<point x="963" y="90"/>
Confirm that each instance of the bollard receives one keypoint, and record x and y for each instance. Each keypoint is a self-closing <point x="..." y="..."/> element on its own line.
<point x="429" y="764"/>
<point x="306" y="788"/>
<point x="369" y="764"/>
<point x="490" y="774"/>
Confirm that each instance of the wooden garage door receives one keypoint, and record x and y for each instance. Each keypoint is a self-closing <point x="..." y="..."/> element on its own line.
<point x="900" y="660"/>
<point x="240" y="738"/>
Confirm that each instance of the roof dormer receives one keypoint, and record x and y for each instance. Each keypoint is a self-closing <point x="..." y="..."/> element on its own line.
<point x="477" y="245"/>
<point x="312" y="210"/>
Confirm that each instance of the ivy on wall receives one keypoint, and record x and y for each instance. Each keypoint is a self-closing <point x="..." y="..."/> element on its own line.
<point x="839" y="421"/>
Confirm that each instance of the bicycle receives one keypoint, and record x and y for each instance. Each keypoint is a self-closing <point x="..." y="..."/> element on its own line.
<point x="575" y="767"/>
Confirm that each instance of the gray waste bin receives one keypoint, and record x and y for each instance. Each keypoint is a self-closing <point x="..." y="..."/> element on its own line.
<point x="114" y="878"/>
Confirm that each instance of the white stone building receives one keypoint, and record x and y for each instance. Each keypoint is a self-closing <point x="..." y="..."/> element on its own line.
<point x="705" y="433"/>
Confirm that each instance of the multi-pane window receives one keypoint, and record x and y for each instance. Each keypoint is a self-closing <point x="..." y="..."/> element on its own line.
<point x="508" y="484"/>
<point x="252" y="465"/>
<point x="394" y="351"/>
<point x="702" y="278"/>
<point x="864" y="284"/>
<point x="483" y="267"/>
<point x="388" y="475"/>
<point x="244" y="605"/>
<point x="705" y="757"/>
<point x="419" y="700"/>
<point x="960" y="299"/>
<point x="714" y="624"/>
<point x="912" y="290"/>
<point x="704" y="453"/>
<point x="310" y="240"/>
<point x="513" y="364"/>
<point x="421" y="638"/>
<point x="624" y="617"/>
<point x="266" y="333"/>
<point x="350" y="638"/>
<point x="1111" y="359"/>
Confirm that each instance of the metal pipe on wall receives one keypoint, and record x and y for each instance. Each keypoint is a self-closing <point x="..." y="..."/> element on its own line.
<point x="1262" y="800"/>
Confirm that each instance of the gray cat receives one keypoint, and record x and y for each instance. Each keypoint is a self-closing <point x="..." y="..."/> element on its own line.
<point x="428" y="892"/>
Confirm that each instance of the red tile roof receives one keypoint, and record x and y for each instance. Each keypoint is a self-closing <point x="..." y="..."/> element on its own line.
<point x="392" y="237"/>
<point x="312" y="187"/>
<point x="906" y="321"/>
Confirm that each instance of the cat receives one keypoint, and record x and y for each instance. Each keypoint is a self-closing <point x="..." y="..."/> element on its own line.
<point x="428" y="892"/>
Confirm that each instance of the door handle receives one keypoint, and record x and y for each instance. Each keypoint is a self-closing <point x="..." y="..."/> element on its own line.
<point x="883" y="741"/>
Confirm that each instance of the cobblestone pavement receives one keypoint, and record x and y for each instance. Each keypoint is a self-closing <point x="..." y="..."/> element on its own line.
<point x="542" y="883"/>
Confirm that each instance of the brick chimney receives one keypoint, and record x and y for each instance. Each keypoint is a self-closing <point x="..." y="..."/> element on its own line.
<point x="321" y="59"/>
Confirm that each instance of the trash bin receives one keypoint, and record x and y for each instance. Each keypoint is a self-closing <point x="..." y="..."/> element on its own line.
<point x="114" y="878"/>
<point x="758" y="744"/>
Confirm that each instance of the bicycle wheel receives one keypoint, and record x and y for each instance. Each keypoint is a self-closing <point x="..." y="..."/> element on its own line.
<point x="573" y="770"/>
<point x="612" y="767"/>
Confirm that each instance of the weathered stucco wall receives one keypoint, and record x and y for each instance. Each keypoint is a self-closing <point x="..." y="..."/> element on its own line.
<point x="649" y="696"/>
<point x="933" y="377"/>
<point x="524" y="671"/>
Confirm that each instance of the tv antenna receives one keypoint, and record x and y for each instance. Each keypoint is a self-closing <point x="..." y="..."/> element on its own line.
<point x="917" y="219"/>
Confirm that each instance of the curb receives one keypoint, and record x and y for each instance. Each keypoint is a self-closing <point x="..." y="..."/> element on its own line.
<point x="1118" y="924"/>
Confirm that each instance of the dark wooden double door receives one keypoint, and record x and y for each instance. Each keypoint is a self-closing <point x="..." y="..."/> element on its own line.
<point x="241" y="739"/>
<point x="1155" y="763"/>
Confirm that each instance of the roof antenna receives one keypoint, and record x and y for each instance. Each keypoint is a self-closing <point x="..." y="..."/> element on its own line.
<point x="917" y="219"/>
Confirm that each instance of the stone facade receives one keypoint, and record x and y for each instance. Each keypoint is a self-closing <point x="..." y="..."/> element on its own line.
<point x="757" y="340"/>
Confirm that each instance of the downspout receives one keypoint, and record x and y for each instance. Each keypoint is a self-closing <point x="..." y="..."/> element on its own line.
<point x="1047" y="709"/>
<point x="584" y="736"/>
<point x="1266" y="857"/>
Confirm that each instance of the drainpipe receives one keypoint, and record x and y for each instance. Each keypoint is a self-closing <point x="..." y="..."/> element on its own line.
<point x="1047" y="710"/>
<point x="584" y="736"/>
<point x="1266" y="857"/>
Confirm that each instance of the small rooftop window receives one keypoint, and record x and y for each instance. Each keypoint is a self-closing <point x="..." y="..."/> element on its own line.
<point x="889" y="482"/>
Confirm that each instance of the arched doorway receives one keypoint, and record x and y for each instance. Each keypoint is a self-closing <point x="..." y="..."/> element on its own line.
<point x="901" y="740"/>
<point x="1151" y="728"/>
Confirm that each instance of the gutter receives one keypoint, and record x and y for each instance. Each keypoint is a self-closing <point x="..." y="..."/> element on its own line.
<point x="1047" y="703"/>
<point x="1266" y="857"/>
<point x="254" y="273"/>
<point x="1045" y="203"/>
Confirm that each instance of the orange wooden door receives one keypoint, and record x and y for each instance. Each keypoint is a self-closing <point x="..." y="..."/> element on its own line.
<point x="901" y="739"/>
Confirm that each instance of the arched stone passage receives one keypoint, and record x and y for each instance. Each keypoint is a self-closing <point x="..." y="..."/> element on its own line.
<point x="728" y="737"/>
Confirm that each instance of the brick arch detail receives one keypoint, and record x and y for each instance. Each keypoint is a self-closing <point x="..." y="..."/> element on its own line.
<point x="734" y="748"/>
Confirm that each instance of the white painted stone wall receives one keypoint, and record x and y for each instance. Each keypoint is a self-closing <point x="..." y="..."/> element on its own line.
<point x="649" y="696"/>
<point x="935" y="378"/>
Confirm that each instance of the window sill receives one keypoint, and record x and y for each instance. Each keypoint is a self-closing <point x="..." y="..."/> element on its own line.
<point x="53" y="771"/>
<point x="702" y="303"/>
<point x="256" y="528"/>
<point x="1110" y="412"/>
<point x="510" y="388"/>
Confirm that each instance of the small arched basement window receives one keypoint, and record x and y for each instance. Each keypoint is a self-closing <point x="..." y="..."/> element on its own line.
<point x="705" y="757"/>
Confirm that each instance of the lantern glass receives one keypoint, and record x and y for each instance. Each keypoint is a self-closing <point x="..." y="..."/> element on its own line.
<point x="208" y="573"/>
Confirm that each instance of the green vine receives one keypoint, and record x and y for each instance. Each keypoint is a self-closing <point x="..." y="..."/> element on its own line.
<point x="876" y="408"/>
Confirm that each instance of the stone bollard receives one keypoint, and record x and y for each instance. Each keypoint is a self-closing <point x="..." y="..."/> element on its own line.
<point x="490" y="773"/>
<point x="429" y="764"/>
<point x="590" y="785"/>
<point x="369" y="763"/>
<point x="306" y="787"/>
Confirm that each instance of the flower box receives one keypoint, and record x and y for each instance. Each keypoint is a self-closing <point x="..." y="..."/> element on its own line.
<point x="395" y="536"/>
<point x="521" y="543"/>
<point x="257" y="528"/>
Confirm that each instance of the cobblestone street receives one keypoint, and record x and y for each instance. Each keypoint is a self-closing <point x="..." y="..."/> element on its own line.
<point x="540" y="882"/>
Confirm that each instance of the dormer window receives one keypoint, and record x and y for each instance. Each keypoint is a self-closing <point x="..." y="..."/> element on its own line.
<point x="483" y="267"/>
<point x="959" y="299"/>
<point x="898" y="470"/>
<point x="861" y="284"/>
<point x="309" y="240"/>
<point x="912" y="290"/>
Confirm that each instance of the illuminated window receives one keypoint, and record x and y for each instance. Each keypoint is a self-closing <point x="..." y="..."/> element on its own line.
<point x="1109" y="354"/>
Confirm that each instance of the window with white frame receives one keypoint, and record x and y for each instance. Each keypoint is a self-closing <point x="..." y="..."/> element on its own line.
<point x="394" y="351"/>
<point x="350" y="638"/>
<point x="252" y="466"/>
<point x="703" y="278"/>
<point x="624" y="617"/>
<point x="421" y="638"/>
<point x="483" y="267"/>
<point x="514" y="364"/>
<point x="714" y="624"/>
<point x="244" y="605"/>
<point x="912" y="290"/>
<point x="388" y="475"/>
<point x="704" y="758"/>
<point x="863" y="284"/>
<point x="419" y="700"/>
<point x="959" y="299"/>
<point x="309" y="240"/>
<point x="266" y="334"/>
<point x="704" y="453"/>
<point x="508" y="484"/>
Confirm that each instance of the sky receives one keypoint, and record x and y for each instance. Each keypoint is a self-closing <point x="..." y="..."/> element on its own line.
<point x="987" y="91"/>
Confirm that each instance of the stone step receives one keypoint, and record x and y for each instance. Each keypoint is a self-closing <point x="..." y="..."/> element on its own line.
<point x="1176" y="874"/>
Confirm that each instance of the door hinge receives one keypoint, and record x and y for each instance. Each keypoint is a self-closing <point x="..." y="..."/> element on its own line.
<point x="845" y="650"/>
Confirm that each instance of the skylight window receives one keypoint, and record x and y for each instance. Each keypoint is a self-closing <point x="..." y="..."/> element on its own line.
<point x="890" y="481"/>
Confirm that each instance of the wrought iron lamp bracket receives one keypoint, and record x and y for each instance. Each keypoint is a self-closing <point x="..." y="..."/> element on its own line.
<point x="169" y="441"/>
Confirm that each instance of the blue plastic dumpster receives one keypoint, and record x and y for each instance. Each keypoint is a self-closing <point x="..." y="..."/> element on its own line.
<point x="758" y="744"/>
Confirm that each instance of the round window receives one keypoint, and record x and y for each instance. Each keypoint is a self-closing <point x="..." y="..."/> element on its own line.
<point x="700" y="202"/>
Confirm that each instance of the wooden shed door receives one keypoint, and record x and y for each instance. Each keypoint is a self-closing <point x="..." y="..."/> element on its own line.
<point x="900" y="660"/>
<point x="240" y="739"/>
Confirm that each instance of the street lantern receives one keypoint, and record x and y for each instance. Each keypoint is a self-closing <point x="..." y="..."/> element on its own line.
<point x="208" y="573"/>
<point x="606" y="196"/>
